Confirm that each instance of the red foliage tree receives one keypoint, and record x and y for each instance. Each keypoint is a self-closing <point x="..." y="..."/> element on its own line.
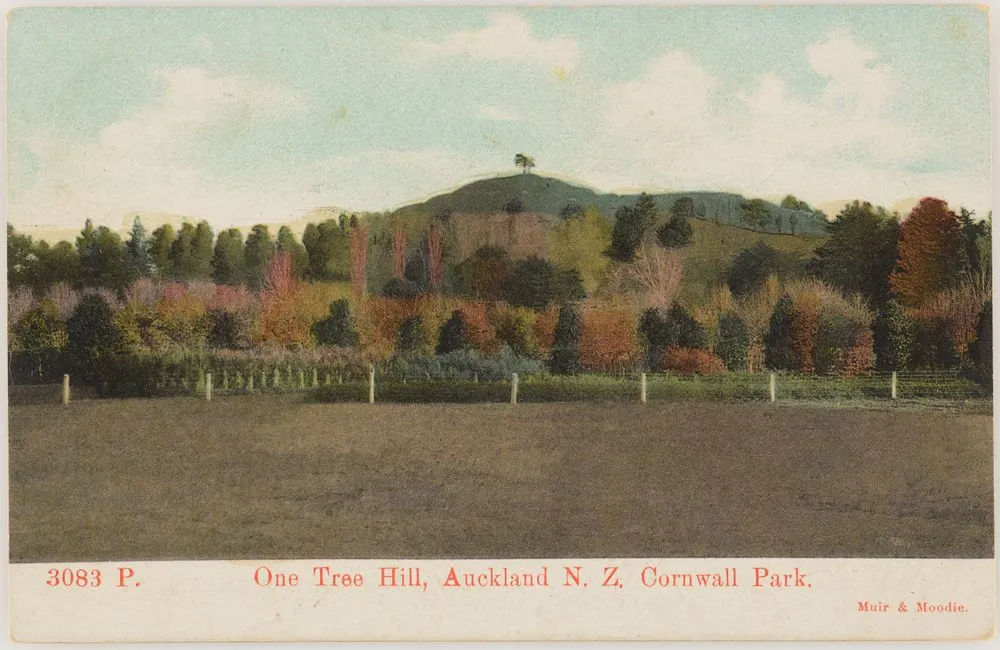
<point x="932" y="254"/>
<point x="609" y="340"/>
<point x="805" y="332"/>
<point x="692" y="361"/>
<point x="435" y="257"/>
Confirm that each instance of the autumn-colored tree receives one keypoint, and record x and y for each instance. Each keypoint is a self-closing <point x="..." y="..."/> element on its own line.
<point x="804" y="333"/>
<point x="691" y="361"/>
<point x="609" y="341"/>
<point x="435" y="257"/>
<point x="932" y="255"/>
<point x="283" y="320"/>
<point x="359" y="259"/>
<point x="659" y="272"/>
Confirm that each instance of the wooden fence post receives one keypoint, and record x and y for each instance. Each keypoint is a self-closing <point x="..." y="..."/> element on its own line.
<point x="892" y="385"/>
<point x="642" y="388"/>
<point x="65" y="390"/>
<point x="772" y="385"/>
<point x="208" y="387"/>
<point x="371" y="383"/>
<point x="513" y="388"/>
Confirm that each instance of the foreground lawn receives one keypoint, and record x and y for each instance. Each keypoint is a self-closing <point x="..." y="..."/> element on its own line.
<point x="278" y="476"/>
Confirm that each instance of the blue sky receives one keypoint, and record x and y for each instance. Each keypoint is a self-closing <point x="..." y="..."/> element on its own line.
<point x="241" y="115"/>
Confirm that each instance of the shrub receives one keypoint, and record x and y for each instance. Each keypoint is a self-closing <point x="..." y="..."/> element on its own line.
<point x="39" y="330"/>
<point x="401" y="288"/>
<point x="545" y="329"/>
<point x="465" y="365"/>
<point x="893" y="337"/>
<point x="411" y="338"/>
<point x="93" y="338"/>
<point x="182" y="317"/>
<point x="479" y="332"/>
<point x="515" y="328"/>
<point x="337" y="328"/>
<point x="485" y="274"/>
<point x="684" y="330"/>
<point x="933" y="345"/>
<point x="805" y="333"/>
<point x="692" y="361"/>
<point x="778" y="340"/>
<point x="675" y="233"/>
<point x="860" y="357"/>
<point x="565" y="357"/>
<point x="835" y="336"/>
<point x="536" y="283"/>
<point x="608" y="340"/>
<point x="732" y="342"/>
<point x="453" y="335"/>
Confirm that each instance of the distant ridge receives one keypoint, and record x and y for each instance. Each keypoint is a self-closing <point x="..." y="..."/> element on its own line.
<point x="543" y="194"/>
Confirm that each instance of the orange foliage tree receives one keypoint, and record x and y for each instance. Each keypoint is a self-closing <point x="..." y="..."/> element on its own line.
<point x="283" y="320"/>
<point x="609" y="341"/>
<point x="932" y="254"/>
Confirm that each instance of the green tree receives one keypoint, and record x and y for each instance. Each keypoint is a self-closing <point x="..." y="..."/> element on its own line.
<point x="257" y="253"/>
<point x="751" y="268"/>
<point x="792" y="203"/>
<point x="536" y="283"/>
<point x="732" y="342"/>
<point x="578" y="242"/>
<point x="631" y="224"/>
<point x="893" y="337"/>
<point x="525" y="162"/>
<point x="978" y="240"/>
<point x="21" y="259"/>
<point x="202" y="250"/>
<point x="778" y="354"/>
<point x="93" y="339"/>
<point x="59" y="263"/>
<point x="566" y="346"/>
<point x="328" y="249"/>
<point x="755" y="213"/>
<point x="337" y="328"/>
<point x="137" y="248"/>
<point x="228" y="264"/>
<point x="179" y="258"/>
<point x="860" y="253"/>
<point x="103" y="259"/>
<point x="677" y="231"/>
<point x="410" y="341"/>
<point x="453" y="335"/>
<point x="159" y="250"/>
<point x="296" y="251"/>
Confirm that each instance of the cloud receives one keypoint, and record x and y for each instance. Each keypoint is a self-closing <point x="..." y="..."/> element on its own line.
<point x="677" y="126"/>
<point x="498" y="113"/>
<point x="153" y="160"/>
<point x="507" y="37"/>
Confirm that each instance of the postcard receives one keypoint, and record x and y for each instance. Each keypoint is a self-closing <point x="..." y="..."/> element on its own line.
<point x="499" y="323"/>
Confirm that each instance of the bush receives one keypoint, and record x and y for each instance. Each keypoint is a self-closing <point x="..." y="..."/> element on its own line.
<point x="834" y="340"/>
<point x="778" y="340"/>
<point x="464" y="365"/>
<point x="411" y="338"/>
<point x="337" y="328"/>
<point x="485" y="274"/>
<point x="39" y="330"/>
<point x="565" y="358"/>
<point x="893" y="334"/>
<point x="981" y="350"/>
<point x="536" y="283"/>
<point x="732" y="342"/>
<point x="93" y="339"/>
<point x="515" y="328"/>
<point x="453" y="335"/>
<point x="933" y="345"/>
<point x="675" y="233"/>
<point x="608" y="341"/>
<point x="692" y="361"/>
<point x="397" y="288"/>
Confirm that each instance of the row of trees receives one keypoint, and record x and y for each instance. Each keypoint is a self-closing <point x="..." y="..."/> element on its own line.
<point x="100" y="258"/>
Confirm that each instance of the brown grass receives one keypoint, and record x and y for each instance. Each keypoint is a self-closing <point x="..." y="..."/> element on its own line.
<point x="277" y="477"/>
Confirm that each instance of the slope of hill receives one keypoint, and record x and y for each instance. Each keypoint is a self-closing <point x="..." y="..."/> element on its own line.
<point x="542" y="194"/>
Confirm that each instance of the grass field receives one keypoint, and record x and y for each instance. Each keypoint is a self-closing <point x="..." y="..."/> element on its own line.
<point x="277" y="476"/>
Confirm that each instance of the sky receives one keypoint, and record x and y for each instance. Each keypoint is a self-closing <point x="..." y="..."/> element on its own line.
<point x="243" y="115"/>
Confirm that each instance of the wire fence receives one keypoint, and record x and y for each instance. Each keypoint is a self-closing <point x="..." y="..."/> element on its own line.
<point x="470" y="386"/>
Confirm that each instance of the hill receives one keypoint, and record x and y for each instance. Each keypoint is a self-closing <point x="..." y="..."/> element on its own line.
<point x="542" y="194"/>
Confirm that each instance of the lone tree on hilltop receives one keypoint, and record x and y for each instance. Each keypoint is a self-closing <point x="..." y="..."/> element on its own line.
<point x="525" y="162"/>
